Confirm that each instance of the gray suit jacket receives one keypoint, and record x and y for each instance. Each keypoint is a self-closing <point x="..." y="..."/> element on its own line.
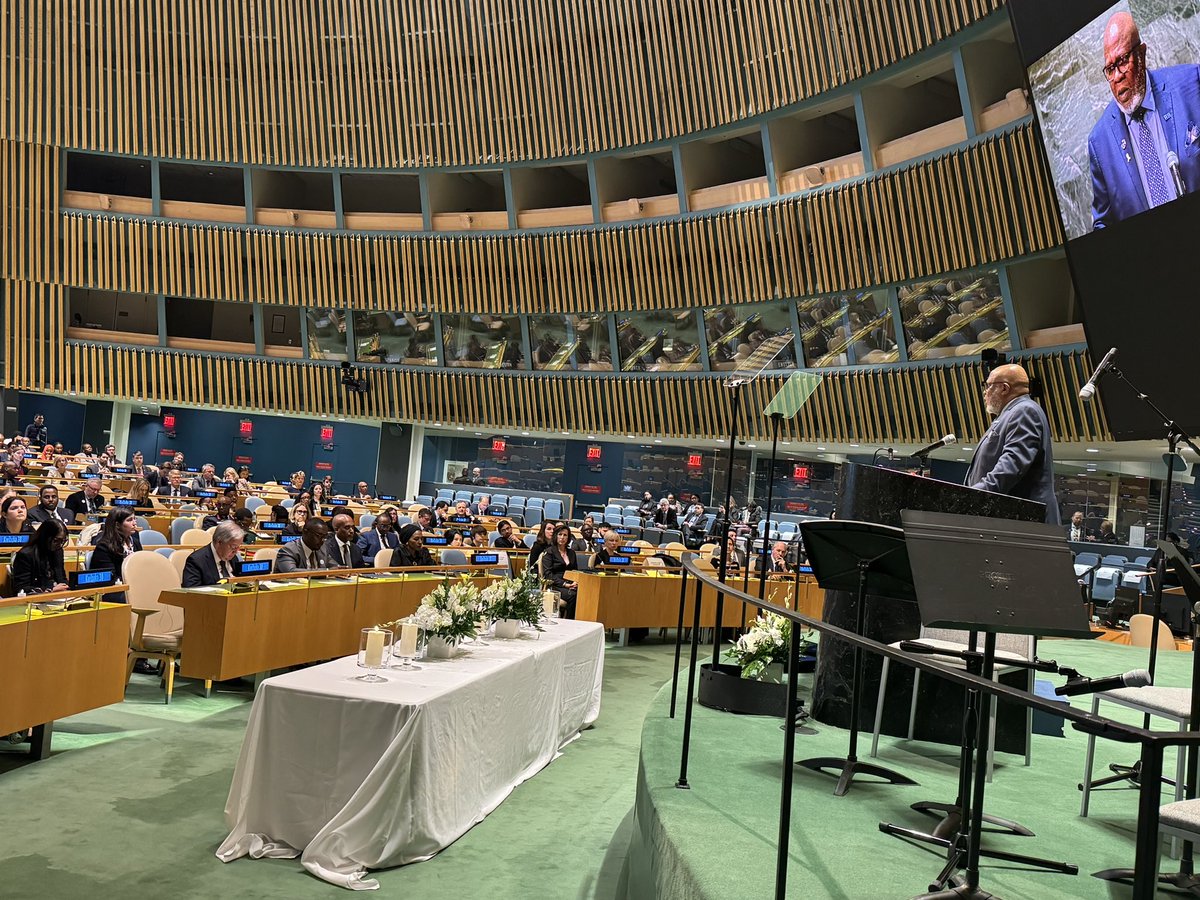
<point x="293" y="557"/>
<point x="1014" y="457"/>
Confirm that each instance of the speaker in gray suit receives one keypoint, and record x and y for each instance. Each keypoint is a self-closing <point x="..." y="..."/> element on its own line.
<point x="1014" y="456"/>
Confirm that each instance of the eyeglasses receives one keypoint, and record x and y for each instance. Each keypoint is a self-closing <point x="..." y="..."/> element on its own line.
<point x="992" y="384"/>
<point x="1121" y="63"/>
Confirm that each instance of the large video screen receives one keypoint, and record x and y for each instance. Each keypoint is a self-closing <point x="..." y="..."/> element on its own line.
<point x="1116" y="88"/>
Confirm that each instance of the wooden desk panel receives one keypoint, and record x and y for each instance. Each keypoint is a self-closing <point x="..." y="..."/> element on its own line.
<point x="62" y="664"/>
<point x="227" y="635"/>
<point x="648" y="601"/>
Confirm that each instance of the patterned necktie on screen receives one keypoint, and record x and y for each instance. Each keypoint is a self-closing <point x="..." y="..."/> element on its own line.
<point x="1155" y="179"/>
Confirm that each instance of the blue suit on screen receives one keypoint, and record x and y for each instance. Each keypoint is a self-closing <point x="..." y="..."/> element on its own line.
<point x="1015" y="458"/>
<point x="1117" y="191"/>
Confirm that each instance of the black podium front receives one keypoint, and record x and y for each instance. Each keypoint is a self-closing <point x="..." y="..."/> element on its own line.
<point x="871" y="494"/>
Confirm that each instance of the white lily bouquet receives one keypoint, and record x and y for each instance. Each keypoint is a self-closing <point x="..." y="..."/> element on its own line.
<point x="451" y="611"/>
<point x="515" y="599"/>
<point x="765" y="644"/>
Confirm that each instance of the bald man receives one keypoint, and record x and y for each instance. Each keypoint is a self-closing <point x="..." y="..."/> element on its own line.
<point x="1152" y="117"/>
<point x="1014" y="457"/>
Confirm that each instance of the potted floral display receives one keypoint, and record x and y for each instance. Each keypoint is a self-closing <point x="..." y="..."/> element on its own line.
<point x="762" y="651"/>
<point x="514" y="602"/>
<point x="449" y="614"/>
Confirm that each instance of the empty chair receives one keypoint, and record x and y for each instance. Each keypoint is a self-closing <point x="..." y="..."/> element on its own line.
<point x="630" y="511"/>
<point x="253" y="503"/>
<point x="366" y="520"/>
<point x="401" y="521"/>
<point x="500" y="498"/>
<point x="529" y="540"/>
<point x="194" y="537"/>
<point x="266" y="553"/>
<point x="178" y="527"/>
<point x="672" y="536"/>
<point x="787" y="531"/>
<point x="287" y="502"/>
<point x="383" y="558"/>
<point x="164" y="552"/>
<point x="1085" y="562"/>
<point x="553" y="509"/>
<point x="655" y="562"/>
<point x="535" y="503"/>
<point x="155" y="630"/>
<point x="425" y="499"/>
<point x="462" y="495"/>
<point x="1140" y="631"/>
<point x="1104" y="583"/>
<point x="497" y="509"/>
<point x="514" y="500"/>
<point x="1115" y="561"/>
<point x="533" y="515"/>
<point x="452" y="556"/>
<point x="631" y="521"/>
<point x="653" y="536"/>
<point x="151" y="538"/>
<point x="1135" y="579"/>
<point x="709" y="521"/>
<point x="178" y="558"/>
<point x="612" y="513"/>
<point x="1142" y="562"/>
<point x="142" y="524"/>
<point x="674" y="548"/>
<point x="444" y="494"/>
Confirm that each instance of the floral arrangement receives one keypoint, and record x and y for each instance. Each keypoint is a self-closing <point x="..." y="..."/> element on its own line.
<point x="451" y="611"/>
<point x="764" y="644"/>
<point x="515" y="598"/>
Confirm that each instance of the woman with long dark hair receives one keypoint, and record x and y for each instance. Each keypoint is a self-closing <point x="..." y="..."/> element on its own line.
<point x="545" y="536"/>
<point x="14" y="516"/>
<point x="557" y="560"/>
<point x="38" y="566"/>
<point x="118" y="540"/>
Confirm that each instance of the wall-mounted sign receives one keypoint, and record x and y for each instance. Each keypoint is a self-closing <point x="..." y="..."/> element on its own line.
<point x="593" y="451"/>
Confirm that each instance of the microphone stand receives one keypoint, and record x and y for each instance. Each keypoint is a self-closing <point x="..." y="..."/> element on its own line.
<point x="1175" y="436"/>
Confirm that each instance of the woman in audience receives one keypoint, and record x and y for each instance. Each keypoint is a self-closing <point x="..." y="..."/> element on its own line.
<point x="139" y="492"/>
<point x="117" y="542"/>
<point x="38" y="566"/>
<point x="648" y="507"/>
<point x="230" y="476"/>
<point x="454" y="538"/>
<point x="317" y="493"/>
<point x="544" y="536"/>
<point x="411" y="551"/>
<point x="557" y="560"/>
<point x="296" y="519"/>
<point x="243" y="480"/>
<point x="305" y="499"/>
<point x="15" y="516"/>
<point x="295" y="484"/>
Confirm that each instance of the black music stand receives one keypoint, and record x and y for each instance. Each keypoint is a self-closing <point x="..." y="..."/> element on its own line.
<point x="869" y="559"/>
<point x="991" y="576"/>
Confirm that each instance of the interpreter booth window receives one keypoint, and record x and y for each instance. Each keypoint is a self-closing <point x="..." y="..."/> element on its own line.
<point x="327" y="333"/>
<point x="397" y="338"/>
<point x="578" y="343"/>
<point x="660" y="341"/>
<point x="480" y="341"/>
<point x="527" y="464"/>
<point x="847" y="330"/>
<point x="734" y="333"/>
<point x="684" y="473"/>
<point x="109" y="311"/>
<point x="1089" y="494"/>
<point x="800" y="487"/>
<point x="954" y="317"/>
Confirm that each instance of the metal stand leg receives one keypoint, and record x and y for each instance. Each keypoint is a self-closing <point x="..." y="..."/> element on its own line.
<point x="39" y="743"/>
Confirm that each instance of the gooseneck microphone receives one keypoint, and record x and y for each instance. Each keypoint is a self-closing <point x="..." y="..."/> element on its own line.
<point x="1088" y="390"/>
<point x="1136" y="678"/>
<point x="1176" y="173"/>
<point x="945" y="441"/>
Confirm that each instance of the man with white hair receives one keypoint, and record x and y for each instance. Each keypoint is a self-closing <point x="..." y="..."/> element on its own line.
<point x="215" y="562"/>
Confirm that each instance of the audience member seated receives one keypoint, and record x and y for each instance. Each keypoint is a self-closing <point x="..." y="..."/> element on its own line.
<point x="243" y="480"/>
<point x="213" y="562"/>
<point x="665" y="516"/>
<point x="424" y="520"/>
<point x="1106" y="534"/>
<point x="9" y="475"/>
<point x="139" y="493"/>
<point x="454" y="538"/>
<point x="174" y="486"/>
<point x="280" y="514"/>
<point x="244" y="519"/>
<point x="411" y="551"/>
<point x="441" y="512"/>
<point x="778" y="561"/>
<point x="379" y="536"/>
<point x="733" y="554"/>
<point x="482" y="507"/>
<point x="462" y="514"/>
<point x="295" y="484"/>
<point x="556" y="561"/>
<point x="47" y="507"/>
<point x="1077" y="531"/>
<point x="610" y="548"/>
<point x="693" y="525"/>
<point x="746" y="519"/>
<point x="87" y="501"/>
<point x="585" y="541"/>
<point x="60" y="472"/>
<point x="320" y="498"/>
<point x="545" y="535"/>
<point x="14" y="516"/>
<point x="38" y="566"/>
<point x="478" y="537"/>
<point x="505" y="540"/>
<point x="342" y="545"/>
<point x="297" y="517"/>
<point x="118" y="540"/>
<point x="220" y="515"/>
<point x="139" y="469"/>
<point x="648" y="507"/>
<point x="362" y="492"/>
<point x="307" y="553"/>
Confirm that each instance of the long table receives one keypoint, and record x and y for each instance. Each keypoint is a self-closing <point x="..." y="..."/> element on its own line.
<point x="229" y="635"/>
<point x="59" y="664"/>
<point x="352" y="776"/>
<point x="650" y="599"/>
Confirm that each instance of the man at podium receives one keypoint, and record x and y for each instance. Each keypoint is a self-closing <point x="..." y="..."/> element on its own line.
<point x="1014" y="456"/>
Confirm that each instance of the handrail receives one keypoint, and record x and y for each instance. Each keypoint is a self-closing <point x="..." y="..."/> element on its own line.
<point x="1085" y="721"/>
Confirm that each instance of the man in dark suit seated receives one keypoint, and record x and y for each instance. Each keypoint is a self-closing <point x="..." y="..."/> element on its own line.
<point x="1077" y="531"/>
<point x="778" y="561"/>
<point x="505" y="541"/>
<point x="665" y="516"/>
<point x="307" y="553"/>
<point x="1107" y="535"/>
<point x="214" y="563"/>
<point x="342" y="545"/>
<point x="139" y="469"/>
<point x="1145" y="150"/>
<point x="85" y="502"/>
<point x="379" y="536"/>
<point x="47" y="508"/>
<point x="174" y="486"/>
<point x="1015" y="456"/>
<point x="224" y="504"/>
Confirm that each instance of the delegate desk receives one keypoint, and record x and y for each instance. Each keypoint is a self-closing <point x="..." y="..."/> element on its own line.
<point x="58" y="664"/>
<point x="648" y="598"/>
<point x="308" y="618"/>
<point x="353" y="776"/>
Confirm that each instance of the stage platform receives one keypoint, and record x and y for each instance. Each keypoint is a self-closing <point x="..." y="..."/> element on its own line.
<point x="717" y="840"/>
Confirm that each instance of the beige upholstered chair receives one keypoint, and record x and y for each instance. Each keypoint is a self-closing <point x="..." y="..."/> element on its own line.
<point x="155" y="630"/>
<point x="383" y="558"/>
<point x="178" y="558"/>
<point x="1140" y="630"/>
<point x="194" y="537"/>
<point x="266" y="553"/>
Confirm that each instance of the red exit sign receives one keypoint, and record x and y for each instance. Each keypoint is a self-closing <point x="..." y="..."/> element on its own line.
<point x="169" y="421"/>
<point x="499" y="445"/>
<point x="801" y="473"/>
<point x="246" y="428"/>
<point x="593" y="451"/>
<point x="695" y="460"/>
<point x="326" y="434"/>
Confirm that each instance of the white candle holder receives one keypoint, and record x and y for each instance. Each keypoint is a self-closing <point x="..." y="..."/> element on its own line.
<point x="374" y="653"/>
<point x="407" y="648"/>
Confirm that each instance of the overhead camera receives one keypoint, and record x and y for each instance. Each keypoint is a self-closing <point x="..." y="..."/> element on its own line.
<point x="352" y="380"/>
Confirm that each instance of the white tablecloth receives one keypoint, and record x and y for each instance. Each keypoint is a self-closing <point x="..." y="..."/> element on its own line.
<point x="350" y="775"/>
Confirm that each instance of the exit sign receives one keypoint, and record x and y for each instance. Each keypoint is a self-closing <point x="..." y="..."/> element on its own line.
<point x="801" y="473"/>
<point x="169" y="421"/>
<point x="246" y="428"/>
<point x="499" y="445"/>
<point x="326" y="434"/>
<point x="593" y="451"/>
<point x="695" y="460"/>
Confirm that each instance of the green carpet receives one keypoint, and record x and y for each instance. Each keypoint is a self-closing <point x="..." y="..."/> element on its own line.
<point x="718" y="839"/>
<point x="131" y="802"/>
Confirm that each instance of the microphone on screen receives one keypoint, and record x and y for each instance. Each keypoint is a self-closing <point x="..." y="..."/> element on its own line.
<point x="1136" y="678"/>
<point x="1089" y="389"/>
<point x="945" y="441"/>
<point x="1176" y="173"/>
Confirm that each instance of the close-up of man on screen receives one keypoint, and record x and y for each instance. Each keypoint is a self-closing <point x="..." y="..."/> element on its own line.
<point x="1145" y="149"/>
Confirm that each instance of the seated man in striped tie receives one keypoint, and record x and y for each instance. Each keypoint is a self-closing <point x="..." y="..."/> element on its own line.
<point x="214" y="563"/>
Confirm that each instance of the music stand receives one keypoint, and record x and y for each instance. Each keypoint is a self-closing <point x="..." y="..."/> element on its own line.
<point x="868" y="559"/>
<point x="991" y="576"/>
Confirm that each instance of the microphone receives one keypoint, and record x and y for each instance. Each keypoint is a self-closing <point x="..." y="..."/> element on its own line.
<point x="1176" y="173"/>
<point x="1136" y="678"/>
<point x="1088" y="390"/>
<point x="945" y="441"/>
